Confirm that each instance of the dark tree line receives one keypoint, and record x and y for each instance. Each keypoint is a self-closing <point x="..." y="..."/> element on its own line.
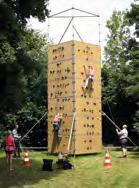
<point x="23" y="68"/>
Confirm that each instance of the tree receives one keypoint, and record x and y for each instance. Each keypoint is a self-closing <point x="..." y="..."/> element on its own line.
<point x="24" y="96"/>
<point x="115" y="50"/>
<point x="13" y="19"/>
<point x="23" y="63"/>
<point x="116" y="103"/>
<point x="24" y="9"/>
<point x="132" y="90"/>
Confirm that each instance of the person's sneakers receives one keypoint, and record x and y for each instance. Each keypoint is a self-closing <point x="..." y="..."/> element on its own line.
<point x="124" y="156"/>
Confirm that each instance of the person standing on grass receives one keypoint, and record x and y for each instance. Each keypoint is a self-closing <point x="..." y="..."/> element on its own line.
<point x="123" y="135"/>
<point x="9" y="149"/>
<point x="17" y="144"/>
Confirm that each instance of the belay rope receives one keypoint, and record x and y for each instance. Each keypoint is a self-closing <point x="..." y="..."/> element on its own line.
<point x="104" y="114"/>
<point x="33" y="127"/>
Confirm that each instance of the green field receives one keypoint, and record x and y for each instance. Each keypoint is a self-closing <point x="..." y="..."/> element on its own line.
<point x="89" y="172"/>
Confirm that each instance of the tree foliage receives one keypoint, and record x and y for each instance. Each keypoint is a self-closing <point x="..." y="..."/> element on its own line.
<point x="23" y="96"/>
<point x="132" y="90"/>
<point x="120" y="82"/>
<point x="23" y="64"/>
<point x="24" y="9"/>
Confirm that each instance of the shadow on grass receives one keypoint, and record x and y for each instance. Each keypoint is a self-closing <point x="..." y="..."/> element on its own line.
<point x="22" y="176"/>
<point x="134" y="154"/>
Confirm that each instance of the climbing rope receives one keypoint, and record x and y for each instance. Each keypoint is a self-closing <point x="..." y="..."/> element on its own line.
<point x="33" y="127"/>
<point x="103" y="113"/>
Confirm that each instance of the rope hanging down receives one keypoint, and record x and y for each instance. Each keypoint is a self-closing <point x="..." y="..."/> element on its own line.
<point x="103" y="113"/>
<point x="33" y="127"/>
<point x="71" y="132"/>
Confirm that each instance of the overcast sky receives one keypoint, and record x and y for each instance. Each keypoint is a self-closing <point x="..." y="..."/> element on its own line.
<point x="86" y="27"/>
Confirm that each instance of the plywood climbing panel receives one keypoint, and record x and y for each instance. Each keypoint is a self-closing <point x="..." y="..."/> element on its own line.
<point x="68" y="65"/>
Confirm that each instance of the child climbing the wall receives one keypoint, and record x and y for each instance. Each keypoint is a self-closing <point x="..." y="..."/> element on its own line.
<point x="56" y="124"/>
<point x="89" y="75"/>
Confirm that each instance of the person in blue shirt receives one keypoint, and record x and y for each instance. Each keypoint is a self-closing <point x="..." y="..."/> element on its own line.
<point x="17" y="143"/>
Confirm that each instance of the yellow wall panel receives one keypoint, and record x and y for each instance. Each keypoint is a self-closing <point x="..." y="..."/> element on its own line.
<point x="66" y="94"/>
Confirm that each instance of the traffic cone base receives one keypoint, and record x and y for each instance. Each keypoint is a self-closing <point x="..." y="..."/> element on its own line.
<point x="107" y="162"/>
<point x="26" y="160"/>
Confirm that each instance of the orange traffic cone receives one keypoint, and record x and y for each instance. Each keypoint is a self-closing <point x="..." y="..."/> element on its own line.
<point x="26" y="159"/>
<point x="107" y="162"/>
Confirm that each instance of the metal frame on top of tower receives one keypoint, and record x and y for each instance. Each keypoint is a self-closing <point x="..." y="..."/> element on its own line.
<point x="88" y="15"/>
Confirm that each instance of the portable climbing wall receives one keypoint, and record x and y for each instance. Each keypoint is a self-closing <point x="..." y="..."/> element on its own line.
<point x="68" y="63"/>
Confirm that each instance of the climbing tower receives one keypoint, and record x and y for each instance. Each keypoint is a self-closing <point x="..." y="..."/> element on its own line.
<point x="81" y="107"/>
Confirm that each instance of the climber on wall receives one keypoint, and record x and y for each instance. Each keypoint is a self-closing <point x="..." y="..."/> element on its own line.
<point x="56" y="124"/>
<point x="89" y="75"/>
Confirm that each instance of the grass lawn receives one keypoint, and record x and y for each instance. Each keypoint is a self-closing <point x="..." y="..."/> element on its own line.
<point x="89" y="172"/>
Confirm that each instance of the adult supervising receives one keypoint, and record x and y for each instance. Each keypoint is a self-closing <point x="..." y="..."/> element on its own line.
<point x="123" y="135"/>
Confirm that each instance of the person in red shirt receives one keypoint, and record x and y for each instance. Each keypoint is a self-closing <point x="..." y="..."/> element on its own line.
<point x="9" y="149"/>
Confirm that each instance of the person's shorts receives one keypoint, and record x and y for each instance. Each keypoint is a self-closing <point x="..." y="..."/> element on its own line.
<point x="16" y="142"/>
<point x="9" y="152"/>
<point x="123" y="143"/>
<point x="56" y="127"/>
<point x="90" y="78"/>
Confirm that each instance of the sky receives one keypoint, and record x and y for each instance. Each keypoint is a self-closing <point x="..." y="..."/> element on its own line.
<point x="88" y="28"/>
